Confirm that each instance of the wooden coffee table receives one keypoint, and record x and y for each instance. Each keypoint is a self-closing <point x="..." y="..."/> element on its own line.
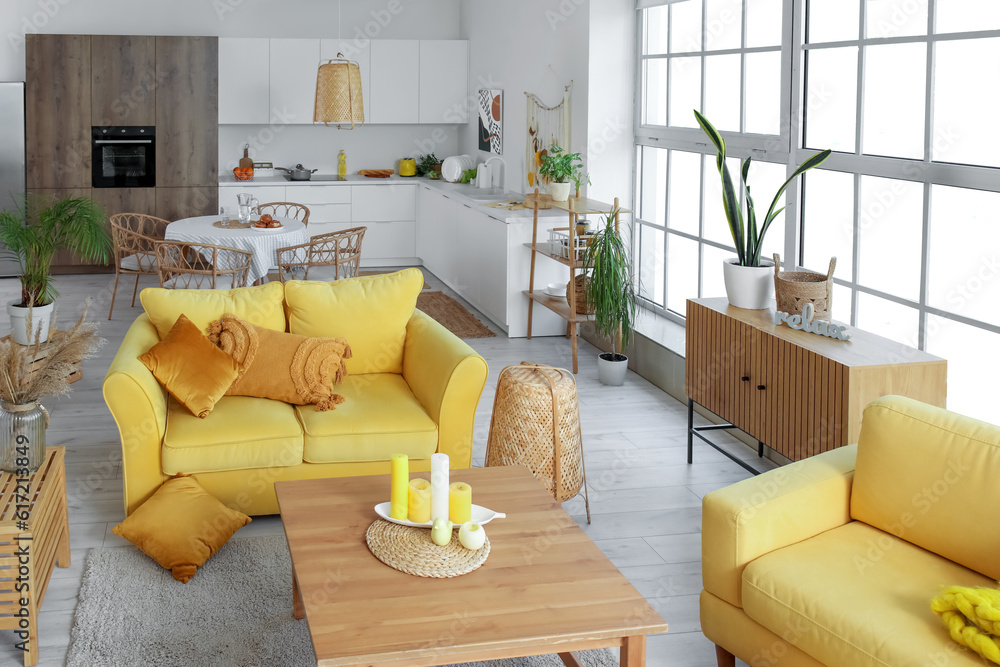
<point x="546" y="587"/>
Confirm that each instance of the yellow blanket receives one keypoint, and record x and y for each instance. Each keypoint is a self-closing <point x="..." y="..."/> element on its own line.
<point x="973" y="618"/>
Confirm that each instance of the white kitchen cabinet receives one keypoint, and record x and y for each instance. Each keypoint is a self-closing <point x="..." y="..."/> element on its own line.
<point x="388" y="243"/>
<point x="444" y="81"/>
<point x="244" y="80"/>
<point x="326" y="203"/>
<point x="395" y="81"/>
<point x="263" y="193"/>
<point x="492" y="261"/>
<point x="362" y="55"/>
<point x="383" y="203"/>
<point x="292" y="65"/>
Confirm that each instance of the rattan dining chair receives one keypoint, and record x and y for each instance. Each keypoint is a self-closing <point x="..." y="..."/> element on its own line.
<point x="285" y="209"/>
<point x="185" y="265"/>
<point x="341" y="250"/>
<point x="134" y="236"/>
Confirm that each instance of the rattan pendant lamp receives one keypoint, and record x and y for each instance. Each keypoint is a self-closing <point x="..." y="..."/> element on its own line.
<point x="338" y="90"/>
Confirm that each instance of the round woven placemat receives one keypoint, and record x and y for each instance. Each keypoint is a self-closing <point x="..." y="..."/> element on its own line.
<point x="231" y="224"/>
<point x="411" y="550"/>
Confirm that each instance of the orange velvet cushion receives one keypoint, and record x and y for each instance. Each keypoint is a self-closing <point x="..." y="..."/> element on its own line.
<point x="286" y="367"/>
<point x="193" y="370"/>
<point x="181" y="526"/>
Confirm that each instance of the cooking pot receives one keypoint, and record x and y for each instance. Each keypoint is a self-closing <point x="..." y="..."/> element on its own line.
<point x="299" y="173"/>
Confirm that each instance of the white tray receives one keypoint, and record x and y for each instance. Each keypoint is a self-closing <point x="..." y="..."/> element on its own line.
<point x="480" y="515"/>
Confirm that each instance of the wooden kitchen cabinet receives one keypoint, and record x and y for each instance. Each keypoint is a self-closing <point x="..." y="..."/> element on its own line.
<point x="176" y="203"/>
<point x="796" y="392"/>
<point x="125" y="200"/>
<point x="444" y="81"/>
<point x="63" y="261"/>
<point x="123" y="80"/>
<point x="244" y="81"/>
<point x="293" y="66"/>
<point x="395" y="81"/>
<point x="57" y="91"/>
<point x="187" y="108"/>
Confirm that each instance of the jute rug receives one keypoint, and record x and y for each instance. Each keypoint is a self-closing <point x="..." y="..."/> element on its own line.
<point x="236" y="612"/>
<point x="452" y="315"/>
<point x="370" y="272"/>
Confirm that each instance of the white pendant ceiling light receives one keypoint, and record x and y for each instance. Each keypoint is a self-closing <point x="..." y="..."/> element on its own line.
<point x="338" y="90"/>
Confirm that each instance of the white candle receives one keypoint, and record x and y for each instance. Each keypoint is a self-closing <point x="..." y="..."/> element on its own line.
<point x="439" y="486"/>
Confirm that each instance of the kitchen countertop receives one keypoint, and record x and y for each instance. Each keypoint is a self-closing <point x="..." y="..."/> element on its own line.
<point x="454" y="191"/>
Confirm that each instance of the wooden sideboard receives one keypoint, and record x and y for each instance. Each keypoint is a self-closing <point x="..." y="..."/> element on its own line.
<point x="796" y="392"/>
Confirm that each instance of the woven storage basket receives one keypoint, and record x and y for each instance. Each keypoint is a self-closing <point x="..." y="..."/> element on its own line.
<point x="794" y="289"/>
<point x="536" y="423"/>
<point x="338" y="93"/>
<point x="583" y="306"/>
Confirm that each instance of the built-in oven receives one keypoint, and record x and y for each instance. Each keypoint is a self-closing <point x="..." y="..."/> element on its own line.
<point x="124" y="157"/>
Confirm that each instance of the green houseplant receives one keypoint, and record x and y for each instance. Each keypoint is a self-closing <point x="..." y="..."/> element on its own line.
<point x="427" y="164"/>
<point x="749" y="288"/>
<point x="611" y="292"/>
<point x="76" y="224"/>
<point x="560" y="168"/>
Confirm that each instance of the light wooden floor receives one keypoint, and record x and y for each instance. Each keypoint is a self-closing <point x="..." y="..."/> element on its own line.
<point x="645" y="500"/>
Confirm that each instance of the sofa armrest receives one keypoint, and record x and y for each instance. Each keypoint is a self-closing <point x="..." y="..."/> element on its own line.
<point x="447" y="377"/>
<point x="139" y="405"/>
<point x="773" y="510"/>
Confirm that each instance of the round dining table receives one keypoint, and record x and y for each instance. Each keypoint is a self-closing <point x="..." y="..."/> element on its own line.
<point x="263" y="243"/>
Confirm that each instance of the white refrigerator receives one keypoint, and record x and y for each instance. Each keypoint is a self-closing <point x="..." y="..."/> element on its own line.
<point x="12" y="162"/>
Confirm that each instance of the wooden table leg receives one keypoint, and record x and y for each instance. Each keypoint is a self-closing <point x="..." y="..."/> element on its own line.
<point x="298" y="610"/>
<point x="633" y="653"/>
<point x="570" y="660"/>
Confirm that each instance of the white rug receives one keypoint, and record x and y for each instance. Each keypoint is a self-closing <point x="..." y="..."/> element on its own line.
<point x="236" y="612"/>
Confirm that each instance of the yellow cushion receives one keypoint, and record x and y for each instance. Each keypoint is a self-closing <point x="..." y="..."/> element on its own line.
<point x="378" y="418"/>
<point x="193" y="370"/>
<point x="181" y="526"/>
<point x="858" y="596"/>
<point x="283" y="366"/>
<point x="241" y="433"/>
<point x="371" y="312"/>
<point x="261" y="305"/>
<point x="924" y="473"/>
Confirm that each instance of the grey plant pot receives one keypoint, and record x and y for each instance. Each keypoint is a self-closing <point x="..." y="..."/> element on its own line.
<point x="609" y="372"/>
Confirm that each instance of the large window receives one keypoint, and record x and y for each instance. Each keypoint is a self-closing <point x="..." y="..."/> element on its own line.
<point x="909" y="203"/>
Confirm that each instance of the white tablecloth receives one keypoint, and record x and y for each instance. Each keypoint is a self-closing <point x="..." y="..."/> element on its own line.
<point x="262" y="243"/>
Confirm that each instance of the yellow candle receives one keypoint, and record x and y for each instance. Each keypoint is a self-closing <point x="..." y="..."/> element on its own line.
<point x="400" y="479"/>
<point x="420" y="500"/>
<point x="460" y="503"/>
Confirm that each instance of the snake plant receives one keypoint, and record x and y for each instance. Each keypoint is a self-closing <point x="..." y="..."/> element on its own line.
<point x="747" y="235"/>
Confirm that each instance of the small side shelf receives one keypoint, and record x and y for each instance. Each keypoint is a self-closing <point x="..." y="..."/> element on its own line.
<point x="559" y="258"/>
<point x="558" y="306"/>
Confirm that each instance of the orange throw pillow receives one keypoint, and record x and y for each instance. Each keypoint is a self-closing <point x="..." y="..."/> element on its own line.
<point x="286" y="367"/>
<point x="193" y="370"/>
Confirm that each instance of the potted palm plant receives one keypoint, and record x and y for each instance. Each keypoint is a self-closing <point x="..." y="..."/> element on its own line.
<point x="560" y="169"/>
<point x="610" y="291"/>
<point x="748" y="278"/>
<point x="76" y="224"/>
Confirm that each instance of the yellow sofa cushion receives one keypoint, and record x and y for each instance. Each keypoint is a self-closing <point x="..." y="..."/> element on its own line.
<point x="923" y="473"/>
<point x="242" y="432"/>
<point x="371" y="312"/>
<point x="263" y="306"/>
<point x="858" y="596"/>
<point x="378" y="418"/>
<point x="181" y="526"/>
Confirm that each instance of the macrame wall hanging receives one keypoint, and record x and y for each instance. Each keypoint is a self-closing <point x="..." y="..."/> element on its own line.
<point x="546" y="126"/>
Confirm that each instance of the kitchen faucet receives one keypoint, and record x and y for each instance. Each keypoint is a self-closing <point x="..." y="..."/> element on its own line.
<point x="503" y="171"/>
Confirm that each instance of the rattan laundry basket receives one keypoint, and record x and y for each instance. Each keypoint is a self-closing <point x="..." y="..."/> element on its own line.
<point x="794" y="289"/>
<point x="536" y="423"/>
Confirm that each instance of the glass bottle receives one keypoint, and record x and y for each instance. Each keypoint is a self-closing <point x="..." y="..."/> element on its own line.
<point x="342" y="166"/>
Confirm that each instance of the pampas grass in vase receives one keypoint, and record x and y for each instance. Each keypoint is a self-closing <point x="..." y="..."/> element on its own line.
<point x="29" y="373"/>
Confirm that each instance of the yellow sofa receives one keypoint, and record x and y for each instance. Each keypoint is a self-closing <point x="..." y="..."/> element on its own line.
<point x="834" y="560"/>
<point x="412" y="387"/>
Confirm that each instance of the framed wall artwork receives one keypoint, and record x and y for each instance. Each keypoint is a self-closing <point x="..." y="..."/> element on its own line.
<point x="491" y="121"/>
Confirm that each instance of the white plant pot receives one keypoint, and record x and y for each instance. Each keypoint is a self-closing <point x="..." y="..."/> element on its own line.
<point x="610" y="372"/>
<point x="749" y="286"/>
<point x="560" y="191"/>
<point x="40" y="316"/>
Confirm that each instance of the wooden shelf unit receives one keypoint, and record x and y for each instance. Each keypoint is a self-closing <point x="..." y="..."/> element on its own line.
<point x="566" y="309"/>
<point x="796" y="392"/>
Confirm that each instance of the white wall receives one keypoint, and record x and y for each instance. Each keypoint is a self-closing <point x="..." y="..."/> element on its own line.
<point x="317" y="147"/>
<point x="527" y="46"/>
<point x="380" y="19"/>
